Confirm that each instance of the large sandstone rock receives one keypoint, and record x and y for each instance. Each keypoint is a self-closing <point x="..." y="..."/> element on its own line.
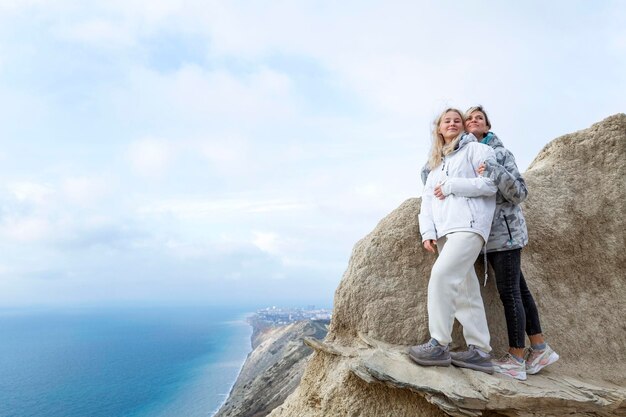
<point x="574" y="265"/>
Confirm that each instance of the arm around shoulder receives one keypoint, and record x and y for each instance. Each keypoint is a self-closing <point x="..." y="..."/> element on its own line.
<point x="479" y="186"/>
<point x="507" y="178"/>
<point x="424" y="173"/>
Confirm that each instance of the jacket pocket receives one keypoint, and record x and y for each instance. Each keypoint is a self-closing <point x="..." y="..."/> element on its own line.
<point x="470" y="210"/>
<point x="508" y="229"/>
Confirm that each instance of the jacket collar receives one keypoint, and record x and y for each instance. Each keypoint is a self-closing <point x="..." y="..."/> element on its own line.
<point x="492" y="140"/>
<point x="465" y="139"/>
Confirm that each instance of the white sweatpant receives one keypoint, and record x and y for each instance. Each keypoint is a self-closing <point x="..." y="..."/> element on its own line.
<point x="454" y="291"/>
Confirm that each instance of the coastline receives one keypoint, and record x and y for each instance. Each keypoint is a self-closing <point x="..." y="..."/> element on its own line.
<point x="278" y="355"/>
<point x="227" y="395"/>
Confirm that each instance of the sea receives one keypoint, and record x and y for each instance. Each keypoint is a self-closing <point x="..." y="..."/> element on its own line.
<point x="157" y="362"/>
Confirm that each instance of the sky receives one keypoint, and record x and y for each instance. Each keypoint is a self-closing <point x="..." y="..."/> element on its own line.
<point x="233" y="152"/>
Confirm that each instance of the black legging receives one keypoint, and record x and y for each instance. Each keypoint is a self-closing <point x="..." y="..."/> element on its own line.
<point x="520" y="310"/>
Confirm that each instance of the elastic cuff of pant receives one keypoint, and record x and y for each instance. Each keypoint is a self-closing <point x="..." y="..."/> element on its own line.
<point x="437" y="342"/>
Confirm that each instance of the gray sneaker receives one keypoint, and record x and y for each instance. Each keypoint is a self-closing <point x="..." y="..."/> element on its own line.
<point x="473" y="358"/>
<point x="430" y="353"/>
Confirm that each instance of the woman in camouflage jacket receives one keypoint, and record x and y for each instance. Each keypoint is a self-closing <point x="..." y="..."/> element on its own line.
<point x="507" y="238"/>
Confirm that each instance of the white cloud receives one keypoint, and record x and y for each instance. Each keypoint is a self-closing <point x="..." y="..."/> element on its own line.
<point x="197" y="97"/>
<point x="26" y="229"/>
<point x="369" y="190"/>
<point x="203" y="208"/>
<point x="228" y="155"/>
<point x="148" y="12"/>
<point x="17" y="5"/>
<point x="267" y="241"/>
<point x="150" y="157"/>
<point x="86" y="191"/>
<point x="97" y="32"/>
<point x="31" y="192"/>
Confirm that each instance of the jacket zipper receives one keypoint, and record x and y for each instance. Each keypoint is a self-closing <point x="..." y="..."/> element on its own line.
<point x="470" y="211"/>
<point x="508" y="228"/>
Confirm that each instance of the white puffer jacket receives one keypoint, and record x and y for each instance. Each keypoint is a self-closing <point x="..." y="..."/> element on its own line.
<point x="470" y="199"/>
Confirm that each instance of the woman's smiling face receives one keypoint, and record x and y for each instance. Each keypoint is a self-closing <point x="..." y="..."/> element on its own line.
<point x="450" y="126"/>
<point x="476" y="123"/>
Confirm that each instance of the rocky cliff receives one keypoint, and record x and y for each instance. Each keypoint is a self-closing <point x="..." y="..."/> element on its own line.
<point x="272" y="370"/>
<point x="575" y="266"/>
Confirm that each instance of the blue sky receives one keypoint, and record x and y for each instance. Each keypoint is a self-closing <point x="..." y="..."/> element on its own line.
<point x="209" y="152"/>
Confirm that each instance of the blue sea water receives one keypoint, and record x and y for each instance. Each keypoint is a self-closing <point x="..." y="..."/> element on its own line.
<point x="161" y="362"/>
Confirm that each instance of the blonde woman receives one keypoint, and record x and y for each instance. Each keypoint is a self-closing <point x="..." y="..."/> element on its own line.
<point x="455" y="218"/>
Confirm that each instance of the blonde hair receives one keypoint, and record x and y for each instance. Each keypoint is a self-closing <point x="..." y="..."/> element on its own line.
<point x="480" y="109"/>
<point x="439" y="148"/>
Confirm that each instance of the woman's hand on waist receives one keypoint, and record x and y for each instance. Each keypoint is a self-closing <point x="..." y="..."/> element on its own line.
<point x="430" y="244"/>
<point x="439" y="192"/>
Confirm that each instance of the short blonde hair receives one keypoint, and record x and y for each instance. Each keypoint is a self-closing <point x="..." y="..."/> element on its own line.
<point x="480" y="109"/>
<point x="439" y="148"/>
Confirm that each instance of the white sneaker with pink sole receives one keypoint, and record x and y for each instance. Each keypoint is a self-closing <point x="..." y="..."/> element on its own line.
<point x="536" y="360"/>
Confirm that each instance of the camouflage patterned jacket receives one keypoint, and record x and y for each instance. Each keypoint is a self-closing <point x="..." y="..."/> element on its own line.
<point x="508" y="230"/>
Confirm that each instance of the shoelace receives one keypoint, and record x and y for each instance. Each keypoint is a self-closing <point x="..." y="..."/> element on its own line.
<point x="508" y="358"/>
<point x="427" y="346"/>
<point x="534" y="354"/>
<point x="528" y="354"/>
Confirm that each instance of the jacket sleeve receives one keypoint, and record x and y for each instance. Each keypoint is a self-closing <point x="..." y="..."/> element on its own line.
<point x="424" y="173"/>
<point x="425" y="218"/>
<point x="478" y="186"/>
<point x="507" y="178"/>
